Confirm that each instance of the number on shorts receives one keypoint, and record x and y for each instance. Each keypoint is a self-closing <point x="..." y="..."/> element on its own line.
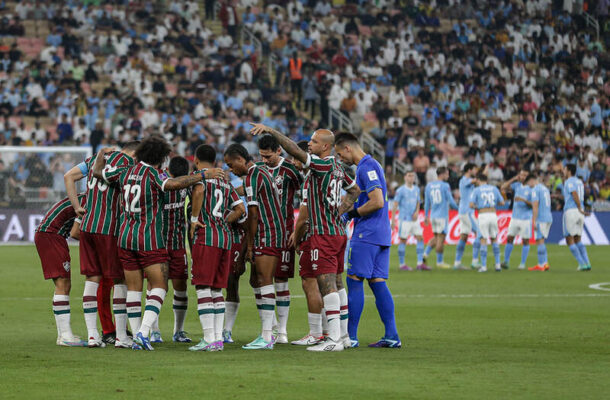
<point x="135" y="191"/>
<point x="314" y="255"/>
<point x="285" y="256"/>
<point x="216" y="211"/>
<point x="236" y="257"/>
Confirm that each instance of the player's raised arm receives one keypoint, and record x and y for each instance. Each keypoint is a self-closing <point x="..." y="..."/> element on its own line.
<point x="100" y="162"/>
<point x="75" y="174"/>
<point x="287" y="144"/>
<point x="189" y="180"/>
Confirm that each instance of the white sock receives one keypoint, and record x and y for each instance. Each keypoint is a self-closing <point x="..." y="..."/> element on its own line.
<point x="258" y="300"/>
<point x="231" y="309"/>
<point x="205" y="308"/>
<point x="90" y="308"/>
<point x="267" y="311"/>
<point x="282" y="302"/>
<point x="332" y="307"/>
<point x="324" y="322"/>
<point x="134" y="310"/>
<point x="343" y="311"/>
<point x="151" y="312"/>
<point x="119" y="307"/>
<point x="219" y="313"/>
<point x="180" y="305"/>
<point x="155" y="326"/>
<point x="315" y="324"/>
<point x="61" y="309"/>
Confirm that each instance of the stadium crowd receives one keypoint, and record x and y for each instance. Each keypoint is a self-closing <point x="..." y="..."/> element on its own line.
<point x="509" y="84"/>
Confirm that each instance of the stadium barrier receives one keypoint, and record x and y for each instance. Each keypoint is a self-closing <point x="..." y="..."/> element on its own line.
<point x="18" y="225"/>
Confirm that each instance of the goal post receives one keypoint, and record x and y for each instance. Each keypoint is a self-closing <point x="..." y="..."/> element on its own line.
<point x="31" y="181"/>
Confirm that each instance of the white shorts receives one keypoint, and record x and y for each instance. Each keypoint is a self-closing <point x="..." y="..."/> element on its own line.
<point x="520" y="227"/>
<point x="468" y="223"/>
<point x="488" y="225"/>
<point x="542" y="230"/>
<point x="409" y="228"/>
<point x="573" y="222"/>
<point x="439" y="225"/>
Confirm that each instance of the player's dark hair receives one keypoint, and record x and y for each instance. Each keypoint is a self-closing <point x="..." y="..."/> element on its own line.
<point x="268" y="142"/>
<point x="482" y="177"/>
<point x="206" y="153"/>
<point x="441" y="170"/>
<point x="572" y="169"/>
<point x="178" y="166"/>
<point x="303" y="145"/>
<point x="131" y="145"/>
<point x="237" y="150"/>
<point x="346" y="138"/>
<point x="153" y="150"/>
<point x="468" y="167"/>
<point x="531" y="176"/>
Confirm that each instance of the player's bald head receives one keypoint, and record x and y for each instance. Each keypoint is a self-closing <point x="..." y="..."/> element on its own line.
<point x="325" y="136"/>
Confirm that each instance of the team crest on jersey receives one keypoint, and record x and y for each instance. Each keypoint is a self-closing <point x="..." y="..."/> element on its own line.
<point x="163" y="176"/>
<point x="183" y="193"/>
<point x="338" y="173"/>
<point x="67" y="266"/>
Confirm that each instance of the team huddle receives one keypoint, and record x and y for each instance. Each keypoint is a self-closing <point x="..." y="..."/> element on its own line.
<point x="132" y="226"/>
<point x="477" y="213"/>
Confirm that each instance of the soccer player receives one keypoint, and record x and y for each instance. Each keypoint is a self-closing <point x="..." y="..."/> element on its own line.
<point x="211" y="250"/>
<point x="50" y="240"/>
<point x="485" y="198"/>
<point x="407" y="201"/>
<point x="543" y="218"/>
<point x="437" y="200"/>
<point x="328" y="240"/>
<point x="369" y="253"/>
<point x="142" y="245"/>
<point x="175" y="225"/>
<point x="468" y="222"/>
<point x="98" y="242"/>
<point x="265" y="235"/>
<point x="574" y="216"/>
<point x="288" y="181"/>
<point x="521" y="220"/>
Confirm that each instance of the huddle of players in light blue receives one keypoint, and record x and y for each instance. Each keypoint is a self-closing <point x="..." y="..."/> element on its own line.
<point x="531" y="202"/>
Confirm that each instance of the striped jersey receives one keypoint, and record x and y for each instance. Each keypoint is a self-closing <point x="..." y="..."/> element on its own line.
<point x="103" y="200"/>
<point x="262" y="193"/>
<point x="304" y="188"/>
<point x="142" y="200"/>
<point x="219" y="198"/>
<point x="326" y="179"/>
<point x="288" y="181"/>
<point x="60" y="218"/>
<point x="174" y="222"/>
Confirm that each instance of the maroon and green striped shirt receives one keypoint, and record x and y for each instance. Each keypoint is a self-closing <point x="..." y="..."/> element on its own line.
<point x="60" y="218"/>
<point x="142" y="200"/>
<point x="288" y="181"/>
<point x="174" y="221"/>
<point x="262" y="193"/>
<point x="103" y="200"/>
<point x="326" y="179"/>
<point x="219" y="198"/>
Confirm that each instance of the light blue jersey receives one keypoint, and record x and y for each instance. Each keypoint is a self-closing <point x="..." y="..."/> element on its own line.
<point x="520" y="209"/>
<point x="571" y="185"/>
<point x="486" y="196"/>
<point x="438" y="199"/>
<point x="407" y="200"/>
<point x="544" y="203"/>
<point x="466" y="188"/>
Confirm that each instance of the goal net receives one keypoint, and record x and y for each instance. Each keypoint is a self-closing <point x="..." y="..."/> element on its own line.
<point x="31" y="181"/>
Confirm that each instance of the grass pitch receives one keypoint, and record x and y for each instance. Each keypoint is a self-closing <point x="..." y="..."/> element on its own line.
<point x="514" y="334"/>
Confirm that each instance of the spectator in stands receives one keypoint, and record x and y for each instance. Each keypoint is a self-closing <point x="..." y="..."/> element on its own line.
<point x="64" y="129"/>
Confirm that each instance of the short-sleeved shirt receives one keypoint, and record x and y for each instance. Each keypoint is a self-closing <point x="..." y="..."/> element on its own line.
<point x="103" y="200"/>
<point x="544" y="203"/>
<point x="407" y="199"/>
<point x="486" y="196"/>
<point x="373" y="228"/>
<point x="326" y="179"/>
<point x="219" y="198"/>
<point x="520" y="209"/>
<point x="466" y="187"/>
<point x="60" y="218"/>
<point x="573" y="184"/>
<point x="142" y="200"/>
<point x="262" y="193"/>
<point x="174" y="221"/>
<point x="438" y="199"/>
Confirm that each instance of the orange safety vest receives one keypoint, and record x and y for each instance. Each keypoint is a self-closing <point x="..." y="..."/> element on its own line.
<point x="295" y="70"/>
